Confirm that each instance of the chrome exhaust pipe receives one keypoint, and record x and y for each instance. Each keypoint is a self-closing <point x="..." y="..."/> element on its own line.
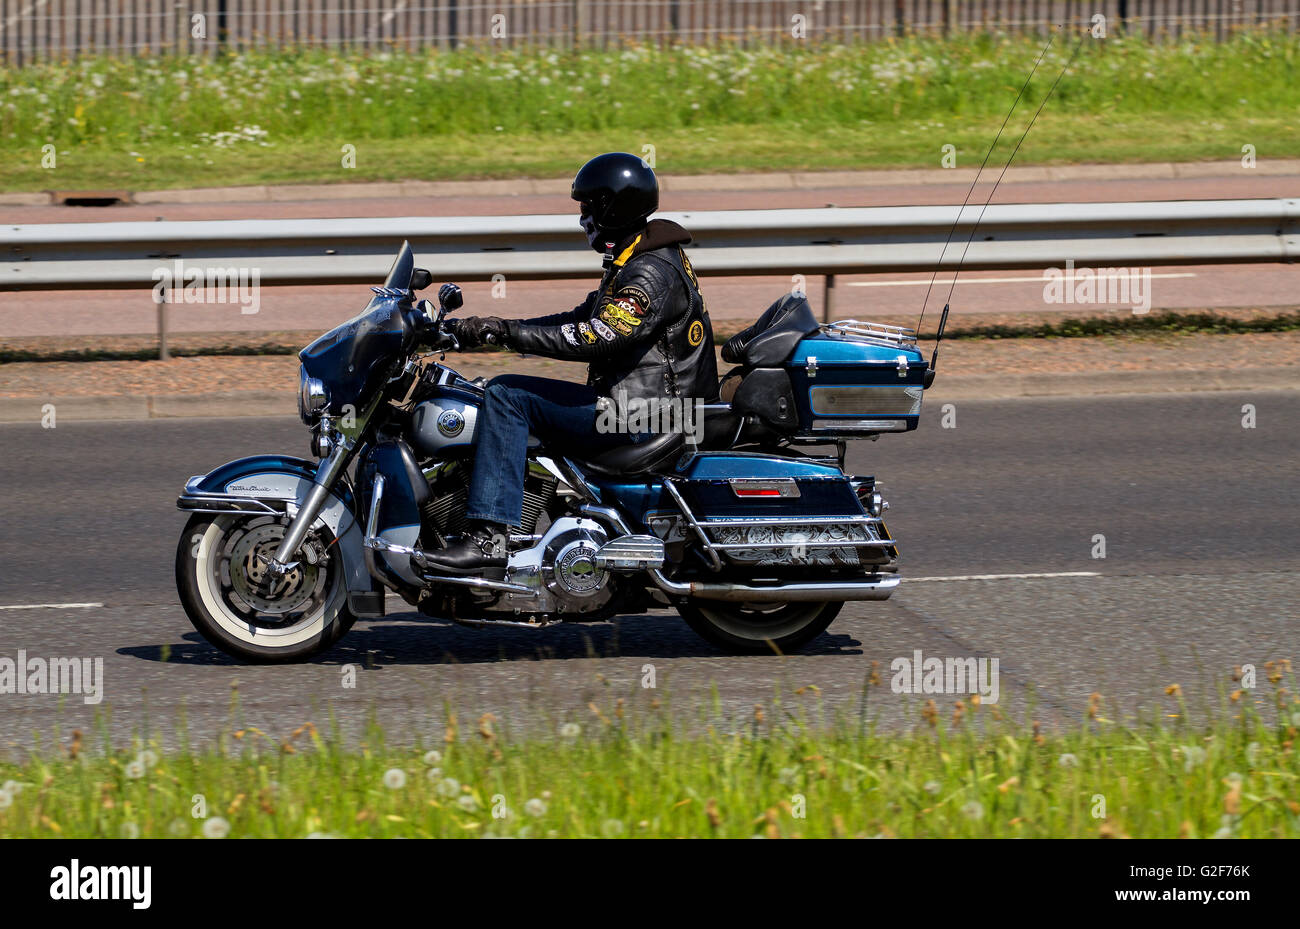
<point x="814" y="592"/>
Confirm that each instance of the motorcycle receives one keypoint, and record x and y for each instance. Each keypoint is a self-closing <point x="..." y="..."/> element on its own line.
<point x="750" y="528"/>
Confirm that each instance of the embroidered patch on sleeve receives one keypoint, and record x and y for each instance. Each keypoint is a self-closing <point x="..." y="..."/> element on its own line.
<point x="569" y="334"/>
<point x="585" y="332"/>
<point x="603" y="331"/>
<point x="622" y="315"/>
<point x="638" y="299"/>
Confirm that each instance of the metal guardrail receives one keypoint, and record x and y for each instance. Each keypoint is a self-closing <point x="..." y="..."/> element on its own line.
<point x="122" y="255"/>
<point x="59" y="256"/>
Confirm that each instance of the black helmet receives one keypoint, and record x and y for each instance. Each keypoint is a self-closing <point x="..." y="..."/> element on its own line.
<point x="617" y="190"/>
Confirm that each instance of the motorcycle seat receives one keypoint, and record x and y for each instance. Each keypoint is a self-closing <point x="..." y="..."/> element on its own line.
<point x="637" y="458"/>
<point x="772" y="339"/>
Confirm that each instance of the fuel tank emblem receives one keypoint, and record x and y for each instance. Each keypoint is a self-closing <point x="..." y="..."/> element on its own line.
<point x="450" y="423"/>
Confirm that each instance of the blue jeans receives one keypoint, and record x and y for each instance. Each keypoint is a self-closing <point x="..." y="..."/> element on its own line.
<point x="560" y="413"/>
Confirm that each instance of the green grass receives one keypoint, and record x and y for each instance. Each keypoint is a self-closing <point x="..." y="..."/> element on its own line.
<point x="962" y="772"/>
<point x="286" y="116"/>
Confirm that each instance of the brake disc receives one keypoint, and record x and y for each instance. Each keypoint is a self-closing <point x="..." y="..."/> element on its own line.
<point x="251" y="580"/>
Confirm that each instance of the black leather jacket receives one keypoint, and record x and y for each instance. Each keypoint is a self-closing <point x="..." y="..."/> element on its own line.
<point x="645" y="330"/>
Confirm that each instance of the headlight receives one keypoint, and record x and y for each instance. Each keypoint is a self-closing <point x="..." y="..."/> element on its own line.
<point x="312" y="396"/>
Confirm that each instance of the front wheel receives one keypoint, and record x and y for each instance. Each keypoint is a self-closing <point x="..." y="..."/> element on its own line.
<point x="758" y="628"/>
<point x="228" y="596"/>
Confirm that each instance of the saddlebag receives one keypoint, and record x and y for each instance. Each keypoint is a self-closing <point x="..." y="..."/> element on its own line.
<point x="847" y="379"/>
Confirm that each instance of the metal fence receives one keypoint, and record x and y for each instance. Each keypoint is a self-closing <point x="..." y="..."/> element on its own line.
<point x="53" y="29"/>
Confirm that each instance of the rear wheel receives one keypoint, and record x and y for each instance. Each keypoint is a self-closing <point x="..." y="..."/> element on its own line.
<point x="758" y="628"/>
<point x="230" y="598"/>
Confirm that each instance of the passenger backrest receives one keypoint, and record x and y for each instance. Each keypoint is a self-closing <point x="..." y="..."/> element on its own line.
<point x="771" y="340"/>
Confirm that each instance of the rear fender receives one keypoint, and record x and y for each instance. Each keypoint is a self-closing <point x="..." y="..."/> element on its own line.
<point x="272" y="484"/>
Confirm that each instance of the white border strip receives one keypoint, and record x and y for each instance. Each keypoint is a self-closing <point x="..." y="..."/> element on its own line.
<point x="999" y="577"/>
<point x="53" y="606"/>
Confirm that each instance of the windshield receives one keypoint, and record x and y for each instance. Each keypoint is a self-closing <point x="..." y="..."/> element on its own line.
<point x="399" y="275"/>
<point x="352" y="359"/>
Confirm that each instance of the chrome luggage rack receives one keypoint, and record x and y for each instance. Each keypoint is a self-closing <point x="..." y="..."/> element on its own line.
<point x="713" y="548"/>
<point x="856" y="330"/>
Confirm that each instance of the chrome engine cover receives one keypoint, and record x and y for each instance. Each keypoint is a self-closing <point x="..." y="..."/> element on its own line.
<point x="561" y="570"/>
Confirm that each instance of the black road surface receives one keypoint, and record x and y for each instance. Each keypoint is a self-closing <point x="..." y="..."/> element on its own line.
<point x="1200" y="518"/>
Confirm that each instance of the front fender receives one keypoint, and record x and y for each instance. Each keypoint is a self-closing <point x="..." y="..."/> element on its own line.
<point x="269" y="484"/>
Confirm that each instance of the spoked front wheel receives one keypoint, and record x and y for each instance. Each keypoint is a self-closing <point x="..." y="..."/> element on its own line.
<point x="235" y="604"/>
<point x="758" y="628"/>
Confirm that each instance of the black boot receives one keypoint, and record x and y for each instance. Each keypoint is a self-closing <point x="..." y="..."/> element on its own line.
<point x="482" y="546"/>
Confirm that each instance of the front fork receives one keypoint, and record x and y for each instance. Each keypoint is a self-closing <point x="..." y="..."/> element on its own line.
<point x="342" y="444"/>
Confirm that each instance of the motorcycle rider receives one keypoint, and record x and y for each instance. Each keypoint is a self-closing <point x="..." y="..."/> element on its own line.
<point x="644" y="332"/>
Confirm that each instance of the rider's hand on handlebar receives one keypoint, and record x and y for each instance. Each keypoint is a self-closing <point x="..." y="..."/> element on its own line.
<point x="479" y="330"/>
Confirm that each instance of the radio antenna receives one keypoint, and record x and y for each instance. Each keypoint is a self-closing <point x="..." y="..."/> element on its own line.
<point x="943" y="320"/>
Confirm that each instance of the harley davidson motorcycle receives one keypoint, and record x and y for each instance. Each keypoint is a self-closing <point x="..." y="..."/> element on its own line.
<point x="750" y="528"/>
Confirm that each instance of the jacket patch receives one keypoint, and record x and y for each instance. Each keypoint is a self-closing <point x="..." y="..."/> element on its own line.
<point x="634" y="298"/>
<point x="570" y="335"/>
<point x="620" y="315"/>
<point x="586" y="334"/>
<point x="603" y="331"/>
<point x="690" y="272"/>
<point x="695" y="335"/>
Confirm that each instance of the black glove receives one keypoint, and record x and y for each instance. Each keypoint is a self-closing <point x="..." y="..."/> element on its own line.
<point x="479" y="330"/>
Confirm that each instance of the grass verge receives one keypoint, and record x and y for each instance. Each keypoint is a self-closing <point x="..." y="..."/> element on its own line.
<point x="978" y="775"/>
<point x="323" y="116"/>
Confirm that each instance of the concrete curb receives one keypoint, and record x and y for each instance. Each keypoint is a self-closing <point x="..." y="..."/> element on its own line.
<point x="802" y="180"/>
<point x="950" y="388"/>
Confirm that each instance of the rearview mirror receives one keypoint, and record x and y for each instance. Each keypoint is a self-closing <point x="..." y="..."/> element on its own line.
<point x="420" y="279"/>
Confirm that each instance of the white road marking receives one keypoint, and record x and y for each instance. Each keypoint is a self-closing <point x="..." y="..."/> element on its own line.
<point x="996" y="280"/>
<point x="1000" y="577"/>
<point x="53" y="606"/>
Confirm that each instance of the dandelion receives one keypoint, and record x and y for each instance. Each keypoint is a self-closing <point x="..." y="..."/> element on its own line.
<point x="12" y="787"/>
<point x="1193" y="755"/>
<point x="6" y="799"/>
<point x="1252" y="752"/>
<point x="932" y="788"/>
<point x="394" y="778"/>
<point x="147" y="758"/>
<point x="178" y="828"/>
<point x="433" y="758"/>
<point x="611" y="828"/>
<point x="134" y="770"/>
<point x="434" y="774"/>
<point x="215" y="828"/>
<point x="321" y="835"/>
<point x="570" y="731"/>
<point x="129" y="831"/>
<point x="535" y="807"/>
<point x="973" y="810"/>
<point x="467" y="803"/>
<point x="448" y="787"/>
<point x="1068" y="760"/>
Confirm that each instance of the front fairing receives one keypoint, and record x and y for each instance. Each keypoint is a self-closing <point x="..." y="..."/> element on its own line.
<point x="354" y="359"/>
